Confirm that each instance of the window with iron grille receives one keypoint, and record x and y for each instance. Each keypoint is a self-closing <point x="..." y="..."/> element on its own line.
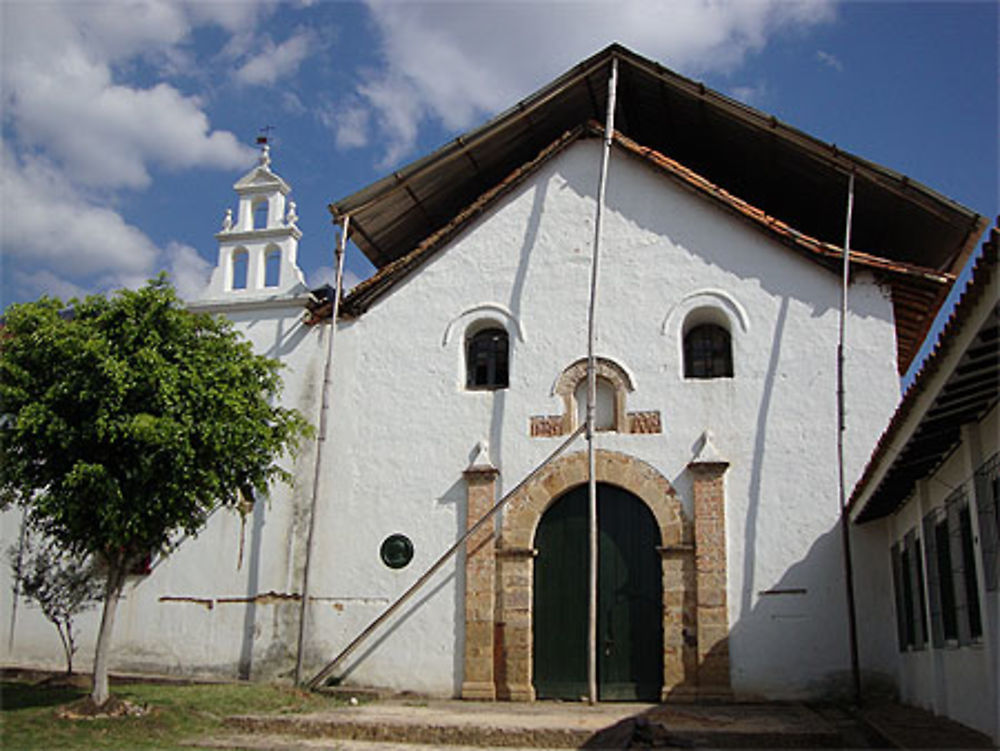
<point x="987" y="484"/>
<point x="708" y="352"/>
<point x="951" y="571"/>
<point x="908" y="585"/>
<point x="487" y="359"/>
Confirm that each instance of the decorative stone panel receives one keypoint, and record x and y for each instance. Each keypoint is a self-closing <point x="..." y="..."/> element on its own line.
<point x="548" y="426"/>
<point x="644" y="422"/>
<point x="551" y="426"/>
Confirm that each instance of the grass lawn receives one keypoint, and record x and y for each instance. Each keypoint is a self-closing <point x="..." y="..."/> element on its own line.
<point x="177" y="713"/>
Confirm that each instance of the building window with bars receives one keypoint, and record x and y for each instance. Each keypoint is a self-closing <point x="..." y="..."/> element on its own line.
<point x="956" y="617"/>
<point x="908" y="586"/>
<point x="987" y="484"/>
<point x="708" y="352"/>
<point x="487" y="358"/>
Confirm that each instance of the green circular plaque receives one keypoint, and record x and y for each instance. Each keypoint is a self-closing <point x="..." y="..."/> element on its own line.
<point x="396" y="551"/>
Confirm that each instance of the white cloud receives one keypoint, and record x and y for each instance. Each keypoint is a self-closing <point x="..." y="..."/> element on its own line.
<point x="44" y="282"/>
<point x="188" y="271"/>
<point x="830" y="60"/>
<point x="232" y="16"/>
<point x="458" y="63"/>
<point x="107" y="134"/>
<point x="80" y="131"/>
<point x="752" y="94"/>
<point x="275" y="61"/>
<point x="49" y="224"/>
<point x="350" y="125"/>
<point x="56" y="241"/>
<point x="291" y="103"/>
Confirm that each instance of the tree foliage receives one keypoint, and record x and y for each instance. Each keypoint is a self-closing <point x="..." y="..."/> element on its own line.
<point x="62" y="586"/>
<point x="129" y="419"/>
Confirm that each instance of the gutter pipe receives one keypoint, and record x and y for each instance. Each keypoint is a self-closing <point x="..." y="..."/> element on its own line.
<point x="320" y="442"/>
<point x="609" y="128"/>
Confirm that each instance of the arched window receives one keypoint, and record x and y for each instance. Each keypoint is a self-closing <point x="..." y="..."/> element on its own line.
<point x="487" y="358"/>
<point x="260" y="215"/>
<point x="708" y="352"/>
<point x="241" y="265"/>
<point x="272" y="267"/>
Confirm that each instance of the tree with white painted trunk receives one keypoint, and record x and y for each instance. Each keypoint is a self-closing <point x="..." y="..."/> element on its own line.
<point x="127" y="421"/>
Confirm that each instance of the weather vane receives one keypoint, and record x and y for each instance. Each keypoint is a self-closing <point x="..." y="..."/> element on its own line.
<point x="265" y="135"/>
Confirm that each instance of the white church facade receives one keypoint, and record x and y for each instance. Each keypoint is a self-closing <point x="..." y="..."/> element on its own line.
<point x="460" y="367"/>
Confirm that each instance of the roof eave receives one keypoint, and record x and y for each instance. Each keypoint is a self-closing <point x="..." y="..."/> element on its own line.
<point x="929" y="382"/>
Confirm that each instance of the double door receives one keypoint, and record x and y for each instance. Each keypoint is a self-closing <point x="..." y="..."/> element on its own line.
<point x="629" y="612"/>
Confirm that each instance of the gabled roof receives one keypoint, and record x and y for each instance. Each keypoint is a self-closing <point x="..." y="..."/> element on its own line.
<point x="785" y="174"/>
<point x="914" y="288"/>
<point x="783" y="171"/>
<point x="958" y="383"/>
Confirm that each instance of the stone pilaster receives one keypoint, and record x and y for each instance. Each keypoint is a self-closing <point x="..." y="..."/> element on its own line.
<point x="708" y="471"/>
<point x="678" y="623"/>
<point x="480" y="571"/>
<point x="514" y="678"/>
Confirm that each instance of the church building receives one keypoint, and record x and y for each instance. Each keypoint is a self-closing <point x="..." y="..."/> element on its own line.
<point x="457" y="375"/>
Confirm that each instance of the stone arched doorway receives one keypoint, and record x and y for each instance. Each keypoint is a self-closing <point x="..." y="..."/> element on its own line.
<point x="516" y="553"/>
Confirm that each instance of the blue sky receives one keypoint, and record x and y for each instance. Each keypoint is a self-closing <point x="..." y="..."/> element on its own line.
<point x="125" y="124"/>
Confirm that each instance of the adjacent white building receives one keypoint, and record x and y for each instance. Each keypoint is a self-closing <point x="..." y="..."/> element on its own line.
<point x="929" y="498"/>
<point x="459" y="367"/>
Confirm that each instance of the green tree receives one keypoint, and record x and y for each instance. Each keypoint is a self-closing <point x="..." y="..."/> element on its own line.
<point x="128" y="420"/>
<point x="60" y="584"/>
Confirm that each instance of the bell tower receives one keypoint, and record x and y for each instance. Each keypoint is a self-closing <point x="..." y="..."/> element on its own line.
<point x="258" y="250"/>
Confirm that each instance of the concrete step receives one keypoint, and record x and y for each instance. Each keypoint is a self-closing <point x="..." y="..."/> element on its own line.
<point x="551" y="725"/>
<point x="268" y="742"/>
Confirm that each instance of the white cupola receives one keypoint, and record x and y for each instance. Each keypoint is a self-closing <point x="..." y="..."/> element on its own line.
<point x="257" y="251"/>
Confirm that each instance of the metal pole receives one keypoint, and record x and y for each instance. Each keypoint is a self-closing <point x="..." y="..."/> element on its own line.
<point x="845" y="530"/>
<point x="331" y="666"/>
<point x="609" y="126"/>
<point x="320" y="441"/>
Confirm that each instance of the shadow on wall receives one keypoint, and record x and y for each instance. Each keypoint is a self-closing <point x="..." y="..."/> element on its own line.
<point x="245" y="666"/>
<point x="387" y="631"/>
<point x="756" y="470"/>
<point x="793" y="643"/>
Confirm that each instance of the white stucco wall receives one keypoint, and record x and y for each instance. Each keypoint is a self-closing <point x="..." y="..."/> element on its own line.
<point x="406" y="426"/>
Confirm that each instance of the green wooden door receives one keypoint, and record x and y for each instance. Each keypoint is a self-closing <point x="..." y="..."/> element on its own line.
<point x="629" y="623"/>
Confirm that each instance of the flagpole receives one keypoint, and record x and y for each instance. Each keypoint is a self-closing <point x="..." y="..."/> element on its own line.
<point x="609" y="126"/>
